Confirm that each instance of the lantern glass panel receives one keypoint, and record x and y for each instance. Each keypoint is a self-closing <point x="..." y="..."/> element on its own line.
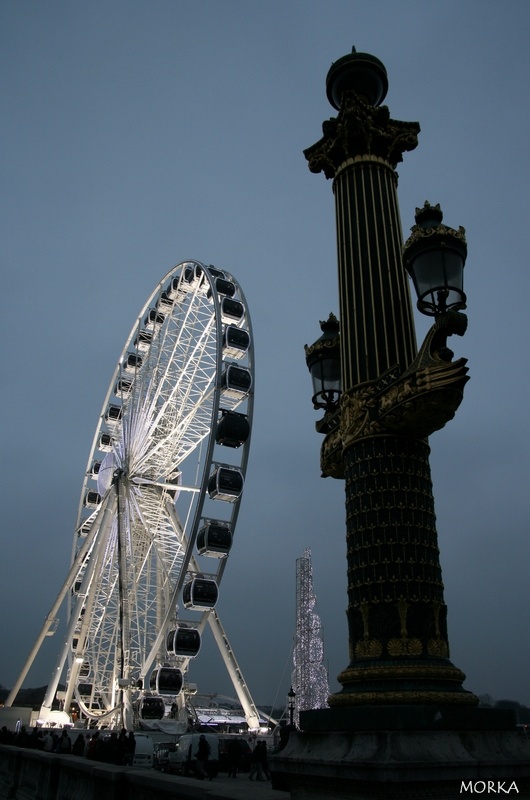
<point x="438" y="279"/>
<point x="454" y="269"/>
<point x="326" y="377"/>
<point x="428" y="272"/>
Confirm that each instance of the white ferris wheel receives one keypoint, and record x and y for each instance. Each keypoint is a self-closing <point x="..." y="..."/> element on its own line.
<point x="158" y="507"/>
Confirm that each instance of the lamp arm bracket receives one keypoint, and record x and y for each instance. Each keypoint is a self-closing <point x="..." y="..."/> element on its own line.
<point x="413" y="402"/>
<point x="434" y="348"/>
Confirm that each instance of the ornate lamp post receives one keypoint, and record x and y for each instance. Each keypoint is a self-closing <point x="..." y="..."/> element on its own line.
<point x="391" y="398"/>
<point x="399" y="683"/>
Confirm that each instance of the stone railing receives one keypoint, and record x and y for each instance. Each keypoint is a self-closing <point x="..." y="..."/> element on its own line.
<point x="34" y="775"/>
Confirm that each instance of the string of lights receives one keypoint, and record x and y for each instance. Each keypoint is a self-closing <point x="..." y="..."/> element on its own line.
<point x="309" y="677"/>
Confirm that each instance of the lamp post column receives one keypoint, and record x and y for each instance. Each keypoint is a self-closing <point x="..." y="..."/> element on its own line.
<point x="392" y="399"/>
<point x="375" y="307"/>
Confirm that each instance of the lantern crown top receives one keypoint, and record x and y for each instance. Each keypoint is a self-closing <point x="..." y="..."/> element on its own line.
<point x="359" y="72"/>
<point x="331" y="324"/>
<point x="428" y="216"/>
<point x="429" y="225"/>
<point x="330" y="338"/>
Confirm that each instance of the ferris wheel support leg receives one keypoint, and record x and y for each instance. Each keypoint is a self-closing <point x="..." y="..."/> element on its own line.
<point x="51" y="617"/>
<point x="187" y="558"/>
<point x="227" y="654"/>
<point x="123" y="665"/>
<point x="102" y="535"/>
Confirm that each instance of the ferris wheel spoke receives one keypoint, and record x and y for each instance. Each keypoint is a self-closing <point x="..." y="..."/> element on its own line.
<point x="181" y="439"/>
<point x="147" y="441"/>
<point x="191" y="349"/>
<point x="171" y="385"/>
<point x="170" y="486"/>
<point x="180" y="415"/>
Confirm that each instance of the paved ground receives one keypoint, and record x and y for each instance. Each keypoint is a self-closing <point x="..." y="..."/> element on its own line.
<point x="240" y="788"/>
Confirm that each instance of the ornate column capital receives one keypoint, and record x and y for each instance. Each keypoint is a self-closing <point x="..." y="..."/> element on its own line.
<point x="360" y="130"/>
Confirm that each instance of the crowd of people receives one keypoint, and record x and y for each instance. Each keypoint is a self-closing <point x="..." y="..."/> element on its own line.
<point x="113" y="748"/>
<point x="118" y="748"/>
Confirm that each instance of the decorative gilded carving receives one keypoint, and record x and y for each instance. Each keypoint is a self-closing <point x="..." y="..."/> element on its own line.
<point x="404" y="672"/>
<point x="325" y="343"/>
<point x="404" y="647"/>
<point x="368" y="648"/>
<point x="397" y="697"/>
<point x="331" y="462"/>
<point x="415" y="402"/>
<point x="438" y="647"/>
<point x="419" y="233"/>
<point x="393" y="680"/>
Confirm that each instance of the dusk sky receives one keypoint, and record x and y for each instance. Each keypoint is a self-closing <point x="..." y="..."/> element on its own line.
<point x="139" y="133"/>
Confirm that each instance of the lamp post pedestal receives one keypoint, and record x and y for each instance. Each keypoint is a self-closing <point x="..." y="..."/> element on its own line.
<point x="424" y="764"/>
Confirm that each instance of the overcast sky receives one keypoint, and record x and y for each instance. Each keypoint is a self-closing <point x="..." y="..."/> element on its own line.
<point x="139" y="133"/>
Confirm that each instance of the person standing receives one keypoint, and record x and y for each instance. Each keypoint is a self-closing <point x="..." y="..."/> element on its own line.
<point x="65" y="745"/>
<point x="78" y="747"/>
<point x="201" y="756"/>
<point x="255" y="764"/>
<point x="234" y="757"/>
<point x="48" y="742"/>
<point x="130" y="749"/>
<point x="264" y="760"/>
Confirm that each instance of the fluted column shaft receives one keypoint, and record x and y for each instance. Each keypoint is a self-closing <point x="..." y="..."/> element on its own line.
<point x="377" y="328"/>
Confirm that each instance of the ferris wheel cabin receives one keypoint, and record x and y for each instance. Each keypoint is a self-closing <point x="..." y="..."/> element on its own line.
<point x="166" y="680"/>
<point x="235" y="382"/>
<point x="224" y="287"/>
<point x="236" y="342"/>
<point x="132" y="361"/>
<point x="226" y="483"/>
<point x="233" y="429"/>
<point x="232" y="311"/>
<point x="151" y="707"/>
<point x="200" y="593"/>
<point x="113" y="415"/>
<point x="143" y="340"/>
<point x="105" y="443"/>
<point x="165" y="302"/>
<point x="214" y="540"/>
<point x="154" y="318"/>
<point x="183" y="641"/>
<point x="92" y="499"/>
<point x="122" y="387"/>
